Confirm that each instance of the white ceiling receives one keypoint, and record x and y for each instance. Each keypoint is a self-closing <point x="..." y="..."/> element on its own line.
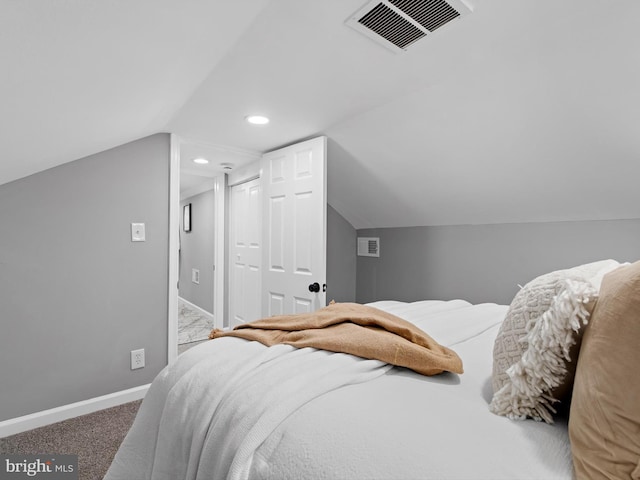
<point x="197" y="178"/>
<point x="521" y="111"/>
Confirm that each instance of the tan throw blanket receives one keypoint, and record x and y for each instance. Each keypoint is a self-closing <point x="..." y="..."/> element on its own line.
<point x="356" y="329"/>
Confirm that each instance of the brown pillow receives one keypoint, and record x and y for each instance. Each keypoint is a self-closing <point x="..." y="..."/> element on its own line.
<point x="604" y="422"/>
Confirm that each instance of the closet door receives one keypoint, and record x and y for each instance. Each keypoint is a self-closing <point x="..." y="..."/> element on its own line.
<point x="294" y="228"/>
<point x="245" y="253"/>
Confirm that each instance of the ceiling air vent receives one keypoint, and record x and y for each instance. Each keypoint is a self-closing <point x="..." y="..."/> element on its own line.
<point x="397" y="24"/>
<point x="368" y="246"/>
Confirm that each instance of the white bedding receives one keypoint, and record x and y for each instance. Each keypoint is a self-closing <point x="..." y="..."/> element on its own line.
<point x="235" y="409"/>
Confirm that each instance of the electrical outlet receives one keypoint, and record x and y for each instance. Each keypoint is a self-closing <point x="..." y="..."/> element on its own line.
<point x="137" y="359"/>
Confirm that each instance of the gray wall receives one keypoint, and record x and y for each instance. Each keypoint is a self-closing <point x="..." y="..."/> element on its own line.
<point x="76" y="295"/>
<point x="341" y="258"/>
<point x="196" y="250"/>
<point x="484" y="263"/>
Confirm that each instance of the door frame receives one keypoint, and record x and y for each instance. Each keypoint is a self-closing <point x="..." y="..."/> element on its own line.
<point x="174" y="225"/>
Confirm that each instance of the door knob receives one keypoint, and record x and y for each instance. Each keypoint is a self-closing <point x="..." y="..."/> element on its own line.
<point x="314" y="287"/>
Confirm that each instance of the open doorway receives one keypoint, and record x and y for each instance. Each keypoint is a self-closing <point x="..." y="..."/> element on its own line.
<point x="196" y="261"/>
<point x="197" y="284"/>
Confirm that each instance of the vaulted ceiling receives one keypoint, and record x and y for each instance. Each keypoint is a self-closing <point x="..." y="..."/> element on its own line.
<point x="521" y="111"/>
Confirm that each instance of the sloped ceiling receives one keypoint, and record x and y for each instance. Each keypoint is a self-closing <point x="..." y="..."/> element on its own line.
<point x="82" y="76"/>
<point x="520" y="112"/>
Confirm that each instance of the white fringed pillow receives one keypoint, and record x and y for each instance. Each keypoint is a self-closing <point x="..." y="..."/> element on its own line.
<point x="533" y="364"/>
<point x="527" y="307"/>
<point x="542" y="368"/>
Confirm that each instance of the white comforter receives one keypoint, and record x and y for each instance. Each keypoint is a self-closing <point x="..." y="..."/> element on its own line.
<point x="233" y="409"/>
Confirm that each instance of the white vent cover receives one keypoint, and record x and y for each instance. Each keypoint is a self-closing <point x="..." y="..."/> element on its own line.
<point x="368" y="246"/>
<point x="397" y="24"/>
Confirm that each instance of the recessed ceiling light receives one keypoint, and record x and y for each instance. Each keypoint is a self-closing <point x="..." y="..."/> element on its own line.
<point x="200" y="161"/>
<point x="257" y="119"/>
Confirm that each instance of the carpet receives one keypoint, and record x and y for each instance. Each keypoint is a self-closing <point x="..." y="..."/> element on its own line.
<point x="95" y="438"/>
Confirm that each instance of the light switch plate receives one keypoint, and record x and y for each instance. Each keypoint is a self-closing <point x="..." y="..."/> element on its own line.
<point x="138" y="232"/>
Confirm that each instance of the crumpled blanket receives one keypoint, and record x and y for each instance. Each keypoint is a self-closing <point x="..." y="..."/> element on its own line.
<point x="356" y="329"/>
<point x="205" y="416"/>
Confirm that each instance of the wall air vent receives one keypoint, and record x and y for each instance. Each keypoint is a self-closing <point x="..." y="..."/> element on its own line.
<point x="368" y="246"/>
<point x="398" y="24"/>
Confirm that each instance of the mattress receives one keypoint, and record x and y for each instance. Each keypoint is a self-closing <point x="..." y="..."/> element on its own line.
<point x="234" y="409"/>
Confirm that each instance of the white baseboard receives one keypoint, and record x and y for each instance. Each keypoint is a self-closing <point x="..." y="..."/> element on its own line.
<point x="58" y="414"/>
<point x="195" y="307"/>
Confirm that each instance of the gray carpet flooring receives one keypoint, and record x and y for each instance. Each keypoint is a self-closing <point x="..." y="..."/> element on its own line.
<point x="95" y="438"/>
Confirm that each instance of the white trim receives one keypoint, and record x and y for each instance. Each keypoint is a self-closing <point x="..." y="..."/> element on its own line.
<point x="219" y="249"/>
<point x="193" y="306"/>
<point x="65" y="412"/>
<point x="174" y="226"/>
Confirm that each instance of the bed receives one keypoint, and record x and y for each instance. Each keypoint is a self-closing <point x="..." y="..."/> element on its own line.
<point x="374" y="422"/>
<point x="235" y="409"/>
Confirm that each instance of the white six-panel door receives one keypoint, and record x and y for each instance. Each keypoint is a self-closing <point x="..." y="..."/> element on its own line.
<point x="294" y="228"/>
<point x="245" y="252"/>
